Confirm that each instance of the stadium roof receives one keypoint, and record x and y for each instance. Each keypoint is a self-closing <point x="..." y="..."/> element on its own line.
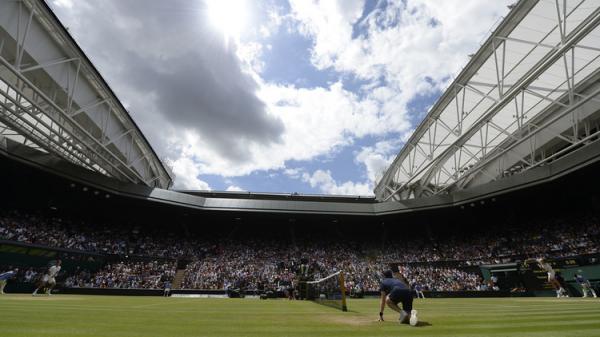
<point x="53" y="99"/>
<point x="526" y="97"/>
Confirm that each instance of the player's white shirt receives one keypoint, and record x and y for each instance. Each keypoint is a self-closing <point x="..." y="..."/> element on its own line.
<point x="548" y="268"/>
<point x="53" y="271"/>
<point x="50" y="276"/>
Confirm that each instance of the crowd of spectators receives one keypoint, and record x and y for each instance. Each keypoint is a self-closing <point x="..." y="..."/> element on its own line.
<point x="550" y="238"/>
<point x="59" y="232"/>
<point x="256" y="264"/>
<point x="271" y="264"/>
<point x="553" y="237"/>
<point x="433" y="278"/>
<point x="134" y="274"/>
<point x="274" y="264"/>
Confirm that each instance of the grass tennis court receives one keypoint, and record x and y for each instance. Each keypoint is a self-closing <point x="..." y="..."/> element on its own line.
<point x="70" y="315"/>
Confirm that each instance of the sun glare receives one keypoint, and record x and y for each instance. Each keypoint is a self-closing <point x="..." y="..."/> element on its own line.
<point x="228" y="16"/>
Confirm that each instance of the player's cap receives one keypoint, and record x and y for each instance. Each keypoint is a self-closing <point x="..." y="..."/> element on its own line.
<point x="388" y="273"/>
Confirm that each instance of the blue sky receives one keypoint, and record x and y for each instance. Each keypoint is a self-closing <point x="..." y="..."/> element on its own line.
<point x="307" y="96"/>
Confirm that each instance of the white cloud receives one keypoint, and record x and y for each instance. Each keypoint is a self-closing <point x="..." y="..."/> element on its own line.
<point x="187" y="173"/>
<point x="63" y="3"/>
<point x="377" y="158"/>
<point x="324" y="181"/>
<point x="274" y="19"/>
<point x="294" y="173"/>
<point x="250" y="55"/>
<point x="234" y="188"/>
<point x="415" y="45"/>
<point x="329" y="23"/>
<point x="316" y="121"/>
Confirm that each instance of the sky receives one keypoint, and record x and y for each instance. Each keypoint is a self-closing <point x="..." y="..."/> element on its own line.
<point x="304" y="96"/>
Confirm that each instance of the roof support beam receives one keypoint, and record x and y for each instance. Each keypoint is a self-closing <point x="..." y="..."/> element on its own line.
<point x="62" y="82"/>
<point x="88" y="107"/>
<point x="546" y="127"/>
<point x="576" y="35"/>
<point x="49" y="64"/>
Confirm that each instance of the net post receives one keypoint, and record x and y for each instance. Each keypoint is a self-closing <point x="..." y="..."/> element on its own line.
<point x="329" y="291"/>
<point x="343" y="289"/>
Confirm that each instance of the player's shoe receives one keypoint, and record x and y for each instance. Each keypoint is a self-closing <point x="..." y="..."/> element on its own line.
<point x="404" y="317"/>
<point x="413" y="318"/>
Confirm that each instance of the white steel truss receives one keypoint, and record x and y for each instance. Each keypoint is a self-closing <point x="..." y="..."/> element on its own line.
<point x="528" y="96"/>
<point x="53" y="99"/>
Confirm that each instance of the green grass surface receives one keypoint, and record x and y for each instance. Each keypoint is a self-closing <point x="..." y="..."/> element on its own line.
<point x="70" y="315"/>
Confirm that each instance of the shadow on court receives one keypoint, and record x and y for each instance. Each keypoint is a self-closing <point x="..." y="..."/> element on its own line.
<point x="422" y="324"/>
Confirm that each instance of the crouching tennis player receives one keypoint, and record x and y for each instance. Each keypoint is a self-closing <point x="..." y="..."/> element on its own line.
<point x="394" y="291"/>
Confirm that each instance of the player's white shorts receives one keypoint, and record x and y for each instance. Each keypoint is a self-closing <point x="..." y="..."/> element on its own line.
<point x="551" y="276"/>
<point x="49" y="280"/>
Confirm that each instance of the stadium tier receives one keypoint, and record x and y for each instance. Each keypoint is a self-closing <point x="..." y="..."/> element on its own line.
<point x="455" y="250"/>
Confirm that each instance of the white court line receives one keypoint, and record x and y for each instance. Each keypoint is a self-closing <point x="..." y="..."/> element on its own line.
<point x="153" y="304"/>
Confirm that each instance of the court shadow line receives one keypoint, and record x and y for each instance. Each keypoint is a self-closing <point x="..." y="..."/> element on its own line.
<point x="422" y="324"/>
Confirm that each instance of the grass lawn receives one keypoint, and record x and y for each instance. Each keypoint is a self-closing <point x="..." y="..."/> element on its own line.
<point x="114" y="316"/>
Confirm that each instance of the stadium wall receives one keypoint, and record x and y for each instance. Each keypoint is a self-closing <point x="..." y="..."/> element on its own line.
<point x="290" y="204"/>
<point x="29" y="255"/>
<point x="535" y="280"/>
<point x="592" y="273"/>
<point x="23" y="288"/>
